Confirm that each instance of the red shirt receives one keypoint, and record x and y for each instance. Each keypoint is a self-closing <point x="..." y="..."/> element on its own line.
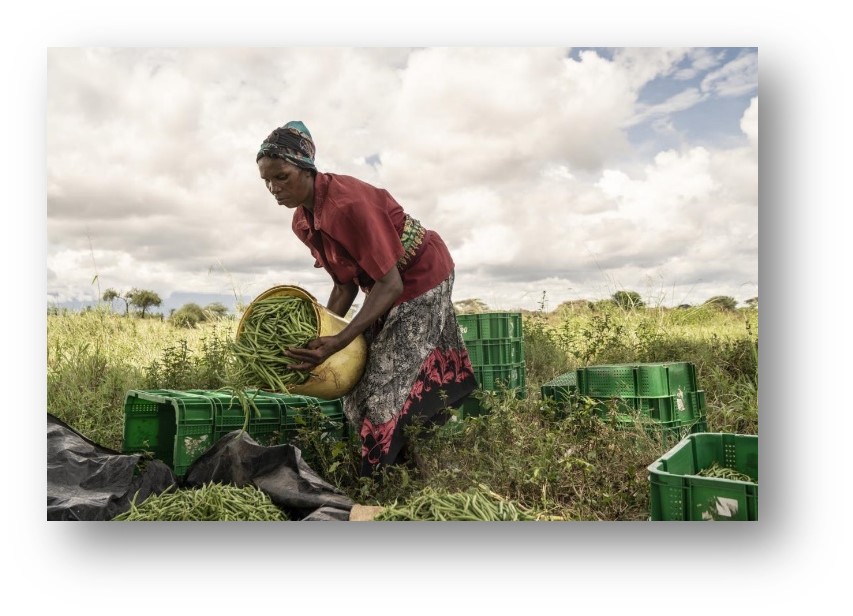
<point x="354" y="234"/>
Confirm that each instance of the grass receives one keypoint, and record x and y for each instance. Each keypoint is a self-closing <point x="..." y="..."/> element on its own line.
<point x="561" y="463"/>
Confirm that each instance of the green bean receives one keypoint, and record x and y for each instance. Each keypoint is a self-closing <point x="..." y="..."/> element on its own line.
<point x="471" y="505"/>
<point x="210" y="502"/>
<point x="717" y="471"/>
<point x="273" y="325"/>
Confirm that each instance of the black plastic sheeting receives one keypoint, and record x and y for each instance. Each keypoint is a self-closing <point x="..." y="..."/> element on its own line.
<point x="279" y="471"/>
<point x="86" y="481"/>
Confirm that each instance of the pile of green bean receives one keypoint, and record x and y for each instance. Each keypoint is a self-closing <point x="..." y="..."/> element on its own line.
<point x="717" y="471"/>
<point x="213" y="502"/>
<point x="273" y="325"/>
<point x="472" y="505"/>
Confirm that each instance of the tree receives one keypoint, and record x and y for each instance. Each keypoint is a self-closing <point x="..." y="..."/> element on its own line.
<point x="188" y="315"/>
<point x="143" y="299"/>
<point x="216" y="309"/>
<point x="627" y="299"/>
<point x="752" y="302"/>
<point x="468" y="306"/>
<point x="111" y="294"/>
<point x="722" y="302"/>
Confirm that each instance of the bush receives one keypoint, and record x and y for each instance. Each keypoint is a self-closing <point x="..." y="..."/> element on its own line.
<point x="188" y="315"/>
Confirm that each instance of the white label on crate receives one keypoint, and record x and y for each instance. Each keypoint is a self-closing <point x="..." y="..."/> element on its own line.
<point x="727" y="507"/>
<point x="193" y="445"/>
<point x="464" y="330"/>
<point x="679" y="401"/>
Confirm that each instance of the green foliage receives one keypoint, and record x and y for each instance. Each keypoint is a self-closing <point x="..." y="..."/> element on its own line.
<point x="111" y="295"/>
<point x="628" y="300"/>
<point x="470" y="306"/>
<point x="188" y="315"/>
<point x="87" y="378"/>
<point x="567" y="465"/>
<point x="563" y="462"/>
<point x="192" y="315"/>
<point x="179" y="367"/>
<point x="722" y="302"/>
<point x="543" y="356"/>
<point x="216" y="310"/>
<point x="143" y="299"/>
<point x="341" y="459"/>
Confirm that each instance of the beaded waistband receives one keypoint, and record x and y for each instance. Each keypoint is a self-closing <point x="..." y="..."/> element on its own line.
<point x="412" y="239"/>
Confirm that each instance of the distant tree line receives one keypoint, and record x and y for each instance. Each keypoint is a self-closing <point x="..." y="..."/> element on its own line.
<point x="627" y="300"/>
<point x="191" y="315"/>
<point x="142" y="300"/>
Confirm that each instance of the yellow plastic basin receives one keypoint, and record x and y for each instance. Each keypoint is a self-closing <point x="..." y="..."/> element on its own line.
<point x="341" y="372"/>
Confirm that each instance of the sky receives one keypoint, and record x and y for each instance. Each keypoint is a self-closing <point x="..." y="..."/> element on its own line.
<point x="552" y="173"/>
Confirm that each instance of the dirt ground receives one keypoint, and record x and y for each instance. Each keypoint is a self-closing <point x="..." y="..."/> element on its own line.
<point x="364" y="513"/>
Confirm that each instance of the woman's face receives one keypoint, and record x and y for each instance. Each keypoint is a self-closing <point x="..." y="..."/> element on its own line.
<point x="290" y="185"/>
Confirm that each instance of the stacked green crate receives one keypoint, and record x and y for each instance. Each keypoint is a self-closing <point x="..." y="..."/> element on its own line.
<point x="665" y="394"/>
<point x="495" y="344"/>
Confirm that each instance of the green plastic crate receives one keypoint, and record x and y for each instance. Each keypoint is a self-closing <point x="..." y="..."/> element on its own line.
<point x="683" y="407"/>
<point x="174" y="426"/>
<point x="665" y="379"/>
<point x="468" y="327"/>
<point x="499" y="325"/>
<point x="679" y="493"/>
<point x="264" y="424"/>
<point x="300" y="411"/>
<point x="490" y="326"/>
<point x="655" y="380"/>
<point x="561" y="388"/>
<point x="607" y="381"/>
<point x="495" y="352"/>
<point x="499" y="377"/>
<point x="471" y="407"/>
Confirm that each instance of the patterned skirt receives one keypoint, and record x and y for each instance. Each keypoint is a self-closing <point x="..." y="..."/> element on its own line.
<point x="417" y="367"/>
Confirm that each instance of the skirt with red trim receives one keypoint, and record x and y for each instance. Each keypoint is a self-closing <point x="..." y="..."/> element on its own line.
<point x="417" y="368"/>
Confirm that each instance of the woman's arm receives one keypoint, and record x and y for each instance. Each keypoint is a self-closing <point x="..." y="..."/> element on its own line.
<point x="381" y="298"/>
<point x="342" y="298"/>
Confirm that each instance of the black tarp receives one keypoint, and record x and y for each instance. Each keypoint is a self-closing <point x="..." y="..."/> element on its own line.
<point x="279" y="471"/>
<point x="86" y="481"/>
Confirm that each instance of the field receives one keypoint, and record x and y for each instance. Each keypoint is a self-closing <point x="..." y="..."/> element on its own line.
<point x="559" y="465"/>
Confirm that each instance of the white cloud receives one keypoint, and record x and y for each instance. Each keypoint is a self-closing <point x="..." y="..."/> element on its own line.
<point x="517" y="156"/>
<point x="700" y="60"/>
<point x="735" y="78"/>
<point x="749" y="122"/>
<point x="685" y="99"/>
<point x="642" y="64"/>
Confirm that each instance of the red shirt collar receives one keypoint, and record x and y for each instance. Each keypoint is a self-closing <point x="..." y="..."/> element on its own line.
<point x="300" y="218"/>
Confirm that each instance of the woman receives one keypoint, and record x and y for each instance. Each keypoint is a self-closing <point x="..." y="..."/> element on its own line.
<point x="417" y="363"/>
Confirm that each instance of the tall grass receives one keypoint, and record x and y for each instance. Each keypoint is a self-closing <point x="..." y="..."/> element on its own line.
<point x="565" y="463"/>
<point x="723" y="345"/>
<point x="95" y="357"/>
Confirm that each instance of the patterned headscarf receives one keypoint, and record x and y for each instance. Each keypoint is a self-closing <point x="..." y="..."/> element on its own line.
<point x="293" y="143"/>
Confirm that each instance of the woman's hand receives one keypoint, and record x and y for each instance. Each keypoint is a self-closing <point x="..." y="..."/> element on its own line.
<point x="315" y="352"/>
